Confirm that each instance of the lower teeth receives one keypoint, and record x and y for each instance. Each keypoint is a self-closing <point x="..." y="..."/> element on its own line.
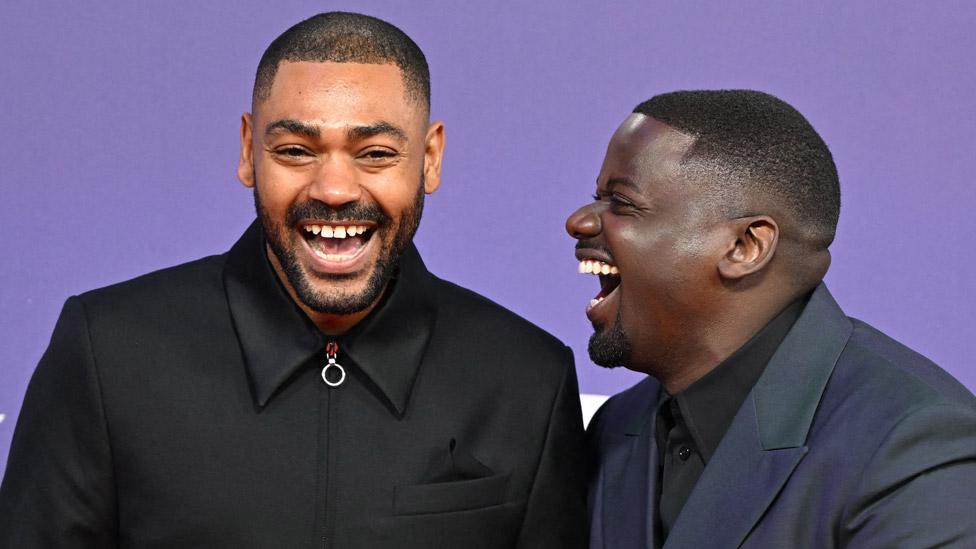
<point x="331" y="257"/>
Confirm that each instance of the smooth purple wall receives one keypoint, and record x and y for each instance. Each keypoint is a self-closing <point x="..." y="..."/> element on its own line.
<point x="119" y="124"/>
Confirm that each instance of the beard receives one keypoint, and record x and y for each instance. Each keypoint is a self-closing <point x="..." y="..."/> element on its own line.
<point x="609" y="347"/>
<point x="394" y="239"/>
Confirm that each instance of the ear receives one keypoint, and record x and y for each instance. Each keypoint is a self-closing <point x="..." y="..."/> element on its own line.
<point x="755" y="244"/>
<point x="433" y="153"/>
<point x="245" y="166"/>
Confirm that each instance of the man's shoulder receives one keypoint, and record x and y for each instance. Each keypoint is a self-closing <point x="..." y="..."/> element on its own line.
<point x="890" y="353"/>
<point x="464" y="310"/>
<point x="882" y="393"/>
<point x="895" y="374"/>
<point x="188" y="284"/>
<point x="893" y="433"/>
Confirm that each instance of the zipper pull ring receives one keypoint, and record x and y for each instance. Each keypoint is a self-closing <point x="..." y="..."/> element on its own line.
<point x="331" y="353"/>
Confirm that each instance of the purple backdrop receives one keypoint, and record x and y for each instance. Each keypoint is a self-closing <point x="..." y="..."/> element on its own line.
<point x="119" y="143"/>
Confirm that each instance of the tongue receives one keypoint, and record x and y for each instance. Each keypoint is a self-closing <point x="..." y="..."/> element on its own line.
<point x="339" y="246"/>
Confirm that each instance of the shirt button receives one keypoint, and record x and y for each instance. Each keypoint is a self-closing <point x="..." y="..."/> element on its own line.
<point x="684" y="453"/>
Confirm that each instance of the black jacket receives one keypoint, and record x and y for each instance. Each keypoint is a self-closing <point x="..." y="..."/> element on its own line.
<point x="186" y="408"/>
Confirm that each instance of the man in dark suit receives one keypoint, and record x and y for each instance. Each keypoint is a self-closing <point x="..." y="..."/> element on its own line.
<point x="315" y="386"/>
<point x="769" y="418"/>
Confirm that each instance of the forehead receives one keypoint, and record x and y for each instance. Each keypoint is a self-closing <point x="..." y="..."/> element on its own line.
<point x="646" y="151"/>
<point x="338" y="94"/>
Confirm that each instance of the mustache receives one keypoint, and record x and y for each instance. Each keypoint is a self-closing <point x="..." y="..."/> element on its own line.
<point x="354" y="211"/>
<point x="590" y="245"/>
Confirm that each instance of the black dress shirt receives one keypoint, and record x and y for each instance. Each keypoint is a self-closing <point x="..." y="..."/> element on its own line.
<point x="691" y="424"/>
<point x="187" y="408"/>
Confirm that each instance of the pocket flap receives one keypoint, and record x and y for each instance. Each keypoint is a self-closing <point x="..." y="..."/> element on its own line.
<point x="440" y="497"/>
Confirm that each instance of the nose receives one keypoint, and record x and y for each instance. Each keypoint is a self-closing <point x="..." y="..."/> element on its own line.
<point x="335" y="184"/>
<point x="584" y="223"/>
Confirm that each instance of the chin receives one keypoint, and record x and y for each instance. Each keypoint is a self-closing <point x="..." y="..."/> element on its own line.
<point x="352" y="295"/>
<point x="609" y="347"/>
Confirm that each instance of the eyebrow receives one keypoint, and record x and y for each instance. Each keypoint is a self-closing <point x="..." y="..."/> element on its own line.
<point x="292" y="126"/>
<point x="354" y="134"/>
<point x="379" y="128"/>
<point x="624" y="182"/>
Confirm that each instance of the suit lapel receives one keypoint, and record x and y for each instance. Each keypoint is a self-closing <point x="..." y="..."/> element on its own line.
<point x="629" y="485"/>
<point x="766" y="440"/>
<point x="629" y="480"/>
<point x="735" y="489"/>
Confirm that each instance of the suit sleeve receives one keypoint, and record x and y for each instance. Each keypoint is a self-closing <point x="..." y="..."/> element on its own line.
<point x="58" y="489"/>
<point x="555" y="515"/>
<point x="919" y="490"/>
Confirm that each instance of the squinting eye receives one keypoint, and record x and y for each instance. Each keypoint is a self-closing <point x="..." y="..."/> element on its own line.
<point x="379" y="158"/>
<point x="379" y="154"/>
<point x="294" y="152"/>
<point x="617" y="201"/>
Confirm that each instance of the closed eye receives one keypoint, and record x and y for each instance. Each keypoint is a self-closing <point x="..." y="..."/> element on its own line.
<point x="617" y="200"/>
<point x="613" y="198"/>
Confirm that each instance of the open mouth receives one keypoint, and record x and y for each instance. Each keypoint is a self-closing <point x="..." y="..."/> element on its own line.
<point x="609" y="282"/>
<point x="337" y="244"/>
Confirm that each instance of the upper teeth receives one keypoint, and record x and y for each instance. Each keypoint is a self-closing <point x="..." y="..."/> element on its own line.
<point x="597" y="267"/>
<point x="335" y="231"/>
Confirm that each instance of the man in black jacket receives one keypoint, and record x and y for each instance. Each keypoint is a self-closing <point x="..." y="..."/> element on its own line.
<point x="315" y="386"/>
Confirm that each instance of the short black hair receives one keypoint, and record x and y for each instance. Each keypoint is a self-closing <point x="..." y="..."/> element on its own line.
<point x="342" y="37"/>
<point x="756" y="146"/>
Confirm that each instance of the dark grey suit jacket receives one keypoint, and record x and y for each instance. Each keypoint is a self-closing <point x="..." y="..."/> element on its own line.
<point x="849" y="439"/>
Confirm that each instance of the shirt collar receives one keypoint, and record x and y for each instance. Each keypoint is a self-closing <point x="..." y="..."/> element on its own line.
<point x="708" y="406"/>
<point x="277" y="339"/>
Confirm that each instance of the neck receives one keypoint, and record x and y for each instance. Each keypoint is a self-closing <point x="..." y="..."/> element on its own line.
<point x="689" y="359"/>
<point x="328" y="324"/>
<point x="683" y="367"/>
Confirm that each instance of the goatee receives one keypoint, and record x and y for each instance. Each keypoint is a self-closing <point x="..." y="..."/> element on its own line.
<point x="609" y="347"/>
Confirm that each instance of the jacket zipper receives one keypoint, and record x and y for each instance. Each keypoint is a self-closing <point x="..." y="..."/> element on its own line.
<point x="333" y="375"/>
<point x="329" y="458"/>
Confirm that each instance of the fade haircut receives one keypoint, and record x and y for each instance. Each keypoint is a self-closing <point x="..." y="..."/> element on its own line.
<point x="342" y="37"/>
<point x="755" y="150"/>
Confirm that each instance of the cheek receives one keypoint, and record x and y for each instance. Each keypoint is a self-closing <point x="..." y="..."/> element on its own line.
<point x="278" y="184"/>
<point x="666" y="273"/>
<point x="393" y="195"/>
<point x="275" y="199"/>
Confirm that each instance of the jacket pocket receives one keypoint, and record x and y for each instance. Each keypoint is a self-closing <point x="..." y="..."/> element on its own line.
<point x="441" y="497"/>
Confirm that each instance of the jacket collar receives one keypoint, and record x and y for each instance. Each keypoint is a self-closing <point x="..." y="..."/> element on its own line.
<point x="758" y="453"/>
<point x="278" y="340"/>
<point x="709" y="404"/>
<point x="766" y="440"/>
<point x="785" y="407"/>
